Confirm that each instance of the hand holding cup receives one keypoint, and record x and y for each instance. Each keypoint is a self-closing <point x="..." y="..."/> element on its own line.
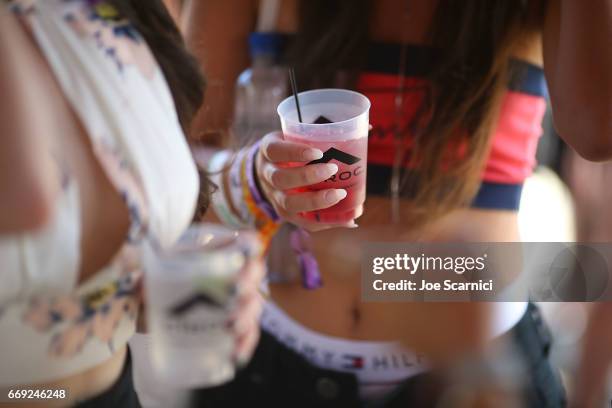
<point x="284" y="178"/>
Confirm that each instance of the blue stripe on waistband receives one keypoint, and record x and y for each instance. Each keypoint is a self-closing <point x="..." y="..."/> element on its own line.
<point x="498" y="196"/>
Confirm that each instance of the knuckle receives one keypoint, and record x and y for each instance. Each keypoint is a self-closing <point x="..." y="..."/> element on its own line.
<point x="290" y="203"/>
<point x="262" y="163"/>
<point x="264" y="149"/>
<point x="276" y="177"/>
<point x="305" y="176"/>
<point x="281" y="201"/>
<point x="270" y="152"/>
<point x="268" y="148"/>
<point x="314" y="201"/>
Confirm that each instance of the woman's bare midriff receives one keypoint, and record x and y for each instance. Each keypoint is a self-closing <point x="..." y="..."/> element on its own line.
<point x="337" y="308"/>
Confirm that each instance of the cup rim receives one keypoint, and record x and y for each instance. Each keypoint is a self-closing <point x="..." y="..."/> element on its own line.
<point x="239" y="247"/>
<point x="323" y="90"/>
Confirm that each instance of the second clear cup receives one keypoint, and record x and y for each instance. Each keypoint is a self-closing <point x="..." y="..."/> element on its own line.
<point x="191" y="294"/>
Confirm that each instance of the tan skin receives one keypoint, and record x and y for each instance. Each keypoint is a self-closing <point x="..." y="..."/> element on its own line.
<point x="217" y="32"/>
<point x="594" y="224"/>
<point x="41" y="130"/>
<point x="595" y="357"/>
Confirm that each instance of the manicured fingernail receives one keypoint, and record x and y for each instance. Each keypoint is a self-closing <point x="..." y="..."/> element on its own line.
<point x="327" y="170"/>
<point x="311" y="154"/>
<point x="333" y="196"/>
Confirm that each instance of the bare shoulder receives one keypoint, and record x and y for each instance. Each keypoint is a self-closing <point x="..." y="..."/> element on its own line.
<point x="16" y="41"/>
<point x="8" y="22"/>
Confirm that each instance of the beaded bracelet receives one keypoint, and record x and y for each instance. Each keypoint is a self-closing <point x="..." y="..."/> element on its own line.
<point x="265" y="225"/>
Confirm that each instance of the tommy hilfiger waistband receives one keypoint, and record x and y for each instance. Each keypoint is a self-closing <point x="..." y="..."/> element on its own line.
<point x="378" y="366"/>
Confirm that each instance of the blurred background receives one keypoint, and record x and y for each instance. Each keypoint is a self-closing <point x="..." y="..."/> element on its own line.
<point x="566" y="200"/>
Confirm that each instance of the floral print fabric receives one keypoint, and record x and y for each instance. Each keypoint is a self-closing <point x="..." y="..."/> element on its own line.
<point x="90" y="317"/>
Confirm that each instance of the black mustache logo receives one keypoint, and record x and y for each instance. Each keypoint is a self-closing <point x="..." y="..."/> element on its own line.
<point x="338" y="155"/>
<point x="193" y="302"/>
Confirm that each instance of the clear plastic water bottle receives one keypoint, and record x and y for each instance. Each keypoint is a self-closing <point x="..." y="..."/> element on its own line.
<point x="259" y="90"/>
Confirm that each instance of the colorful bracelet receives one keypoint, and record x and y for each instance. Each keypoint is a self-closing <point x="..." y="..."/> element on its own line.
<point x="254" y="211"/>
<point x="264" y="212"/>
<point x="264" y="225"/>
<point x="258" y="196"/>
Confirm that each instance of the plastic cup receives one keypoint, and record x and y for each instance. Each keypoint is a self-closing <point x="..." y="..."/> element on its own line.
<point x="344" y="141"/>
<point x="191" y="292"/>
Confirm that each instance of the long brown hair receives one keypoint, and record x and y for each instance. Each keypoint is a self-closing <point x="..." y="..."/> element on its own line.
<point x="181" y="70"/>
<point x="474" y="39"/>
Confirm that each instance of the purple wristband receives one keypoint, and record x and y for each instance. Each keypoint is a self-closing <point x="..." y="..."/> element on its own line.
<point x="264" y="205"/>
<point x="311" y="276"/>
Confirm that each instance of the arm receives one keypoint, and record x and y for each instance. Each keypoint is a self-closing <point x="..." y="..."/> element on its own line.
<point x="217" y="33"/>
<point x="578" y="67"/>
<point x="595" y="357"/>
<point x="28" y="177"/>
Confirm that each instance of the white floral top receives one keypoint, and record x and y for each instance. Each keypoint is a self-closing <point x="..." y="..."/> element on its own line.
<point x="50" y="327"/>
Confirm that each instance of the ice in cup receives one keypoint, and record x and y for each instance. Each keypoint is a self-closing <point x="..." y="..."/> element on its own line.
<point x="336" y="122"/>
<point x="191" y="292"/>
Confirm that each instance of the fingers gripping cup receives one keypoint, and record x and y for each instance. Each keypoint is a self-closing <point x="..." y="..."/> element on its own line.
<point x="191" y="292"/>
<point x="336" y="122"/>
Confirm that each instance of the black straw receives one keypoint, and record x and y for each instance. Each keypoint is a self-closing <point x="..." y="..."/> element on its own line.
<point x="295" y="93"/>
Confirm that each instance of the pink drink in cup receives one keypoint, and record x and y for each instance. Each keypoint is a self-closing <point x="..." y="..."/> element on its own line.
<point x="343" y="141"/>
